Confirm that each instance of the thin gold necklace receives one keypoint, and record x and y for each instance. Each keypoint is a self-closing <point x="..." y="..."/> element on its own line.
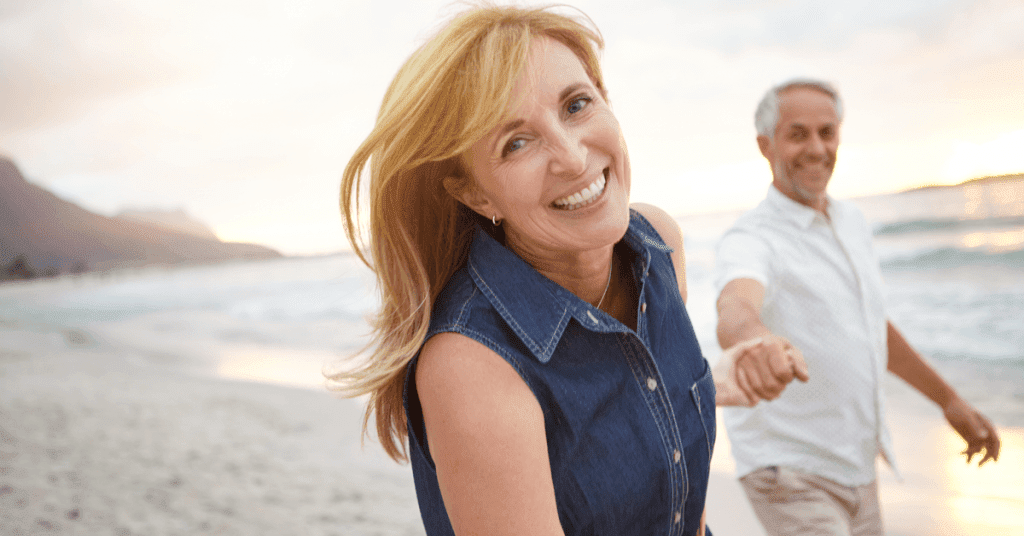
<point x="607" y="284"/>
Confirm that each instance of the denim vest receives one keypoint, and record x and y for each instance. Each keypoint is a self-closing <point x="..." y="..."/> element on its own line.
<point x="629" y="416"/>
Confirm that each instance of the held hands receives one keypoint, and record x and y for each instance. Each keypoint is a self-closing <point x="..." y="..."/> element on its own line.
<point x="977" y="431"/>
<point x="757" y="369"/>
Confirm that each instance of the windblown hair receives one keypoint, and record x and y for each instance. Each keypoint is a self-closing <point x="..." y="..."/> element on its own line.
<point x="449" y="94"/>
<point x="766" y="118"/>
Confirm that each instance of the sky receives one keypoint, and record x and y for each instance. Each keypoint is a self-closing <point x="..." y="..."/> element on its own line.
<point x="244" y="112"/>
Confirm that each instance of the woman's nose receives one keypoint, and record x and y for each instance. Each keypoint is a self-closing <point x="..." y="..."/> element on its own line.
<point x="568" y="153"/>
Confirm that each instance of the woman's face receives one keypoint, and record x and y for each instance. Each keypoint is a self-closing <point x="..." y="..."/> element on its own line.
<point x="557" y="172"/>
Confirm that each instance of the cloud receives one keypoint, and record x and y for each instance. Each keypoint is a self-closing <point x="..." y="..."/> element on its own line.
<point x="57" y="58"/>
<point x="246" y="112"/>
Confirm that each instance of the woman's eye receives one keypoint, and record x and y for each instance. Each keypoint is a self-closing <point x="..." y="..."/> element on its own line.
<point x="577" y="104"/>
<point x="513" y="145"/>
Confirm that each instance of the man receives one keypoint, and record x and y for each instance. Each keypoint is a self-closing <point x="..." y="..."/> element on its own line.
<point x="799" y="272"/>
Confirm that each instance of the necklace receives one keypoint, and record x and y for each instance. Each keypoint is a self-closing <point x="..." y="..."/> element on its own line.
<point x="606" y="285"/>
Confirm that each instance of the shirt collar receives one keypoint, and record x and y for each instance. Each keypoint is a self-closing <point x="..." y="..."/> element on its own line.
<point x="801" y="215"/>
<point x="536" y="308"/>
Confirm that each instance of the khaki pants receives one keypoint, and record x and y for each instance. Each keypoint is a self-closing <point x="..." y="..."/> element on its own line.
<point x="791" y="502"/>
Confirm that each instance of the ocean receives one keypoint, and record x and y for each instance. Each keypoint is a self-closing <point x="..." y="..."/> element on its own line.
<point x="952" y="258"/>
<point x="953" y="263"/>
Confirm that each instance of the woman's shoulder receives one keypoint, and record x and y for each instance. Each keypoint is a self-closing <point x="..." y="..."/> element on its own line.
<point x="668" y="230"/>
<point x="463" y="309"/>
<point x="662" y="223"/>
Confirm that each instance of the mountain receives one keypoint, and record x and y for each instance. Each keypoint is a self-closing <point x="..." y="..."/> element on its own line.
<point x="173" y="220"/>
<point x="48" y="235"/>
<point x="978" y="181"/>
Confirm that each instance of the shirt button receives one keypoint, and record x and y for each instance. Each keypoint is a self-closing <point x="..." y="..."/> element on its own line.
<point x="679" y="517"/>
<point x="652" y="384"/>
<point x="643" y="307"/>
<point x="676" y="455"/>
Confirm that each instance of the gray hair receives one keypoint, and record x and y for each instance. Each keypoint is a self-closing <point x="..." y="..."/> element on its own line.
<point x="766" y="118"/>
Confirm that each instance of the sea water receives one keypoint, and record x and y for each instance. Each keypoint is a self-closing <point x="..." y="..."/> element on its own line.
<point x="952" y="258"/>
<point x="953" y="262"/>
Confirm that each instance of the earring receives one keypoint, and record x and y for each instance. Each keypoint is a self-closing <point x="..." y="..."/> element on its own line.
<point x="495" y="221"/>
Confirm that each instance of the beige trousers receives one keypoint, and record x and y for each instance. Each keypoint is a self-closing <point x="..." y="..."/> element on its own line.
<point x="790" y="502"/>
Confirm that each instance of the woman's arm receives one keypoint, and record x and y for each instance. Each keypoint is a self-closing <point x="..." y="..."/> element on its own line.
<point x="487" y="439"/>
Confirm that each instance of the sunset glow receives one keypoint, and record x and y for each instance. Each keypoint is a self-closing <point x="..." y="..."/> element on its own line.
<point x="244" y="114"/>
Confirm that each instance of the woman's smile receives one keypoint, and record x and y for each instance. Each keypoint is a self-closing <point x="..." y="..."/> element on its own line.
<point x="585" y="196"/>
<point x="556" y="171"/>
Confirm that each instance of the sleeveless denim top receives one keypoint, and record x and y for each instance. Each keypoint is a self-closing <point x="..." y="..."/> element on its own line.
<point x="629" y="416"/>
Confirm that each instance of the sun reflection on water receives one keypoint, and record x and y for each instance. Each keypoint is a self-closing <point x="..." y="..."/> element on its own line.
<point x="268" y="364"/>
<point x="995" y="242"/>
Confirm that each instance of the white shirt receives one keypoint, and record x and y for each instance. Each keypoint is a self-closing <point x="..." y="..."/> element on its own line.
<point x="823" y="292"/>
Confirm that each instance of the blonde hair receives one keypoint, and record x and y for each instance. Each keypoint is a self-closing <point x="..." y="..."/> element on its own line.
<point x="450" y="93"/>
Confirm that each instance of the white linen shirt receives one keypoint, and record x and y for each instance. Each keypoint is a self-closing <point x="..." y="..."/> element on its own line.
<point x="823" y="292"/>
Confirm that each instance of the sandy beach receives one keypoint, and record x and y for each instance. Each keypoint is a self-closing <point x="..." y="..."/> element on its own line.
<point x="166" y="402"/>
<point x="92" y="443"/>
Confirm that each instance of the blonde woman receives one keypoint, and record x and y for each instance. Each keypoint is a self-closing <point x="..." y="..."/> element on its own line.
<point x="532" y="345"/>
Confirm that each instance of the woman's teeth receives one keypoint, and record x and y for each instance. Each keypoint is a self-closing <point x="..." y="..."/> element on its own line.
<point x="582" y="198"/>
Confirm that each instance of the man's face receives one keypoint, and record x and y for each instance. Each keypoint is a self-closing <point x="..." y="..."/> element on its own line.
<point x="802" y="152"/>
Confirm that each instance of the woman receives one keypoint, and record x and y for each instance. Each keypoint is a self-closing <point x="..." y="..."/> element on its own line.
<point x="532" y="343"/>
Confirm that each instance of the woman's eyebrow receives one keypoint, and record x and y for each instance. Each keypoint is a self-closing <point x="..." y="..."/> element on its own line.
<point x="516" y="123"/>
<point x="569" y="90"/>
<point x="505" y="129"/>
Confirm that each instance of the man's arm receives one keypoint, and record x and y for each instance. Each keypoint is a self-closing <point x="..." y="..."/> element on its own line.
<point x="766" y="362"/>
<point x="975" y="428"/>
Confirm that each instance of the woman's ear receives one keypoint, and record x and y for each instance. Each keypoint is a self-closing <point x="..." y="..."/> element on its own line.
<point x="466" y="192"/>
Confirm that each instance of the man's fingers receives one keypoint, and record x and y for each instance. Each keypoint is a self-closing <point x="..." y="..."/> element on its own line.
<point x="779" y="362"/>
<point x="747" y="344"/>
<point x="799" y="365"/>
<point x="991" y="442"/>
<point x="762" y="382"/>
<point x="744" y="385"/>
<point x="756" y="386"/>
<point x="770" y="379"/>
<point x="984" y="438"/>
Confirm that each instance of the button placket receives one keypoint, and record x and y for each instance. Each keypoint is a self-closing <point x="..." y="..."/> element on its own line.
<point x="646" y="374"/>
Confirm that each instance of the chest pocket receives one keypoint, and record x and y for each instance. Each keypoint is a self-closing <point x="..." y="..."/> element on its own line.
<point x="702" y="392"/>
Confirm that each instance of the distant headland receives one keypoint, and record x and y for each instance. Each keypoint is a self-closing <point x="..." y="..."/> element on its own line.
<point x="978" y="181"/>
<point x="42" y="235"/>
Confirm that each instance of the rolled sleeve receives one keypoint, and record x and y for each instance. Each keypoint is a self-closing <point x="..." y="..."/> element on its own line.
<point x="741" y="255"/>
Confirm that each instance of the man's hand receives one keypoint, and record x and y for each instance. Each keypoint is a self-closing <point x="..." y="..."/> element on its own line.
<point x="977" y="431"/>
<point x="756" y="369"/>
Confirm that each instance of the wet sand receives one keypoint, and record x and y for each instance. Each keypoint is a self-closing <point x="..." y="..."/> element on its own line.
<point x="939" y="494"/>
